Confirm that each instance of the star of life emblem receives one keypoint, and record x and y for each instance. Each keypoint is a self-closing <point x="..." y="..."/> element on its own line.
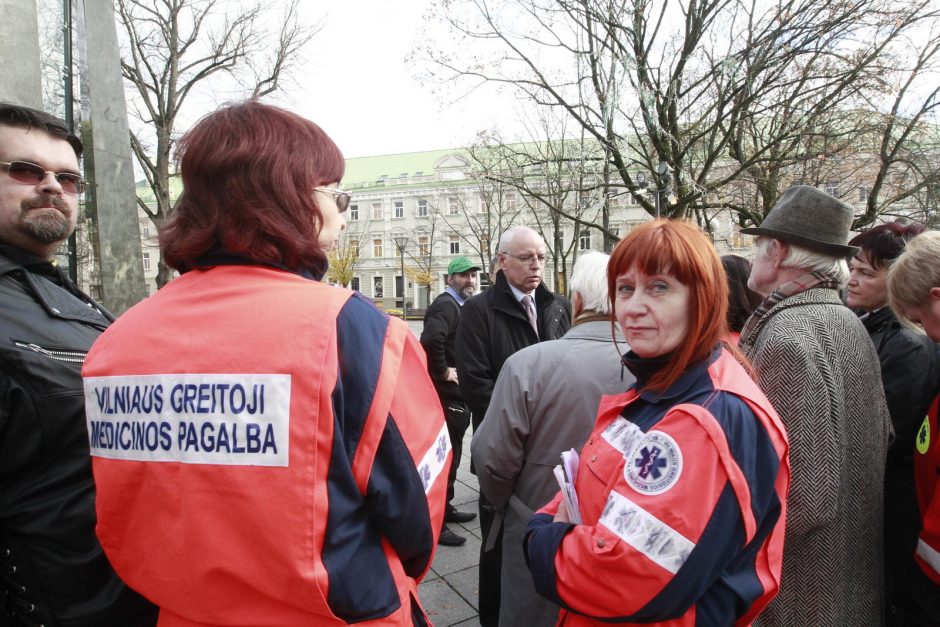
<point x="655" y="465"/>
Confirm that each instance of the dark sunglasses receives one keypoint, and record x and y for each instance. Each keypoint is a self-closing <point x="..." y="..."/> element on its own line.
<point x="32" y="174"/>
<point x="342" y="197"/>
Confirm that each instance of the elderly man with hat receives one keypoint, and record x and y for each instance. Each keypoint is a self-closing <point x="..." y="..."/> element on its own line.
<point x="817" y="365"/>
<point x="437" y="337"/>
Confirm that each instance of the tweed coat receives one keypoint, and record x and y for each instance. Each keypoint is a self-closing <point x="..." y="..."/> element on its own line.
<point x="814" y="360"/>
<point x="544" y="402"/>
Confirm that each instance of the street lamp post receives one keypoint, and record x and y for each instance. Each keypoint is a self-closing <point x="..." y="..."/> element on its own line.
<point x="662" y="186"/>
<point x="401" y="241"/>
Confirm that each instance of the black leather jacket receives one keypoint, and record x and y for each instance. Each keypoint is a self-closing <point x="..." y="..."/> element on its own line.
<point x="52" y="568"/>
<point x="909" y="371"/>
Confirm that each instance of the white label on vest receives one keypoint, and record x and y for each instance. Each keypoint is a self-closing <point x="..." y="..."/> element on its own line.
<point x="432" y="462"/>
<point x="646" y="533"/>
<point x="229" y="419"/>
<point x="623" y="435"/>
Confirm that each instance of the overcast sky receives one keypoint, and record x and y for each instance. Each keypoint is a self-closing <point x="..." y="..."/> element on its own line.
<point x="357" y="85"/>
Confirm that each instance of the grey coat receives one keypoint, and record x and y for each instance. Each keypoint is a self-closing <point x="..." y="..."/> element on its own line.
<point x="814" y="360"/>
<point x="545" y="402"/>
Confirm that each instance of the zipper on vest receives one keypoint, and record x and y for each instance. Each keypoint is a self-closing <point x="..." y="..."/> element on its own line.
<point x="59" y="354"/>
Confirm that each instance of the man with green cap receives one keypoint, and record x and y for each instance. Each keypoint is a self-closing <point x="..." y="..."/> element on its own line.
<point x="440" y="330"/>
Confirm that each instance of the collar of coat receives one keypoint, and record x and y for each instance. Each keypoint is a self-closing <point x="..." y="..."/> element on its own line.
<point x="879" y="318"/>
<point x="505" y="300"/>
<point x="695" y="377"/>
<point x="812" y="296"/>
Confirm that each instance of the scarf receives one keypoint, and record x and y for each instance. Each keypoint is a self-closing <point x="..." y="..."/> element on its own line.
<point x="792" y="288"/>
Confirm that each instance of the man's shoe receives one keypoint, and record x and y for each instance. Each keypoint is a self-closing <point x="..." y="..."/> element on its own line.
<point x="454" y="516"/>
<point x="449" y="538"/>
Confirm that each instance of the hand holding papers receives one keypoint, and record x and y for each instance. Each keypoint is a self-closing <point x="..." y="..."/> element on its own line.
<point x="565" y="474"/>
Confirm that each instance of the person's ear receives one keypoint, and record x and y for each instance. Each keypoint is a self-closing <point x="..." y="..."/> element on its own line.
<point x="935" y="293"/>
<point x="778" y="251"/>
<point x="576" y="304"/>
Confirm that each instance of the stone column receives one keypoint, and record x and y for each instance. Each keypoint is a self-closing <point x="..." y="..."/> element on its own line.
<point x="111" y="198"/>
<point x="20" y="80"/>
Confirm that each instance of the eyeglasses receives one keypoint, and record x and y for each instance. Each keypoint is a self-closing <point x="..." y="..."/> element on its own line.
<point x="342" y="197"/>
<point x="32" y="174"/>
<point x="527" y="258"/>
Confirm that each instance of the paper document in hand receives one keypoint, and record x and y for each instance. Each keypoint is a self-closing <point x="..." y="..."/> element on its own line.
<point x="565" y="474"/>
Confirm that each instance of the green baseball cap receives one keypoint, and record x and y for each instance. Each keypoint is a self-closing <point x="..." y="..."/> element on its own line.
<point x="461" y="264"/>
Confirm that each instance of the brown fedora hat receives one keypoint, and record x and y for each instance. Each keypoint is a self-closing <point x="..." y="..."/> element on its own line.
<point x="810" y="218"/>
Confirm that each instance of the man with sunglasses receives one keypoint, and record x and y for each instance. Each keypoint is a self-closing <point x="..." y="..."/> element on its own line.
<point x="516" y="312"/>
<point x="52" y="568"/>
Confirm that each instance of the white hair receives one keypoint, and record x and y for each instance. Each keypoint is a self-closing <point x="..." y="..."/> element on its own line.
<point x="800" y="258"/>
<point x="589" y="279"/>
<point x="509" y="234"/>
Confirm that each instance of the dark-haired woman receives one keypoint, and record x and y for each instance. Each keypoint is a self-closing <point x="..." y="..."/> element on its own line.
<point x="268" y="450"/>
<point x="909" y="372"/>
<point x="682" y="484"/>
<point x="742" y="300"/>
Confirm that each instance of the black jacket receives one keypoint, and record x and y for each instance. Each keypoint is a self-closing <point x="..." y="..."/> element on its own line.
<point x="909" y="372"/>
<point x="438" y="337"/>
<point x="493" y="326"/>
<point x="52" y="568"/>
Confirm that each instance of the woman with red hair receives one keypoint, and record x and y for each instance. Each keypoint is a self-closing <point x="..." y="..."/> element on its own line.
<point x="682" y="485"/>
<point x="268" y="450"/>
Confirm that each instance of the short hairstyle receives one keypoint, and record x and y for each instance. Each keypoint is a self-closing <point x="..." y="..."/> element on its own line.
<point x="589" y="279"/>
<point x="24" y="117"/>
<point x="248" y="173"/>
<point x="800" y="258"/>
<point x="742" y="300"/>
<point x="884" y="243"/>
<point x="509" y="234"/>
<point x="681" y="250"/>
<point x="914" y="274"/>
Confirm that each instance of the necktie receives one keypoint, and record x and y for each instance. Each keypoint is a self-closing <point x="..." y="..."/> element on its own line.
<point x="530" y="311"/>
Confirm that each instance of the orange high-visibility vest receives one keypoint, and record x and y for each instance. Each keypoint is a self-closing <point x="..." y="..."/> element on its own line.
<point x="927" y="478"/>
<point x="268" y="450"/>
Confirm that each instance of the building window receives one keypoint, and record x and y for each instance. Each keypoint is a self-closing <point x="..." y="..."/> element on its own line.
<point x="354" y="284"/>
<point x="377" y="248"/>
<point x="146" y="262"/>
<point x="584" y="241"/>
<point x="399" y="209"/>
<point x="863" y="193"/>
<point x="511" y="201"/>
<point x="453" y="206"/>
<point x="832" y="188"/>
<point x="377" y="291"/>
<point x="422" y="208"/>
<point x="424" y="245"/>
<point x="484" y="205"/>
<point x="354" y="247"/>
<point x="145" y="229"/>
<point x="455" y="244"/>
<point x="376" y="211"/>
<point x="353" y="212"/>
<point x="399" y="286"/>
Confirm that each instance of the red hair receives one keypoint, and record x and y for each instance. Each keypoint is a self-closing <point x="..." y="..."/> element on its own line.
<point x="248" y="173"/>
<point x="683" y="251"/>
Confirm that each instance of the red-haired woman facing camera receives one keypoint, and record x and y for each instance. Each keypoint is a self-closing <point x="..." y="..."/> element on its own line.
<point x="682" y="485"/>
<point x="268" y="450"/>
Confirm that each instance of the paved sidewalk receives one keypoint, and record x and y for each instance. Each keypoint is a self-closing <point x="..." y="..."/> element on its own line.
<point x="449" y="592"/>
